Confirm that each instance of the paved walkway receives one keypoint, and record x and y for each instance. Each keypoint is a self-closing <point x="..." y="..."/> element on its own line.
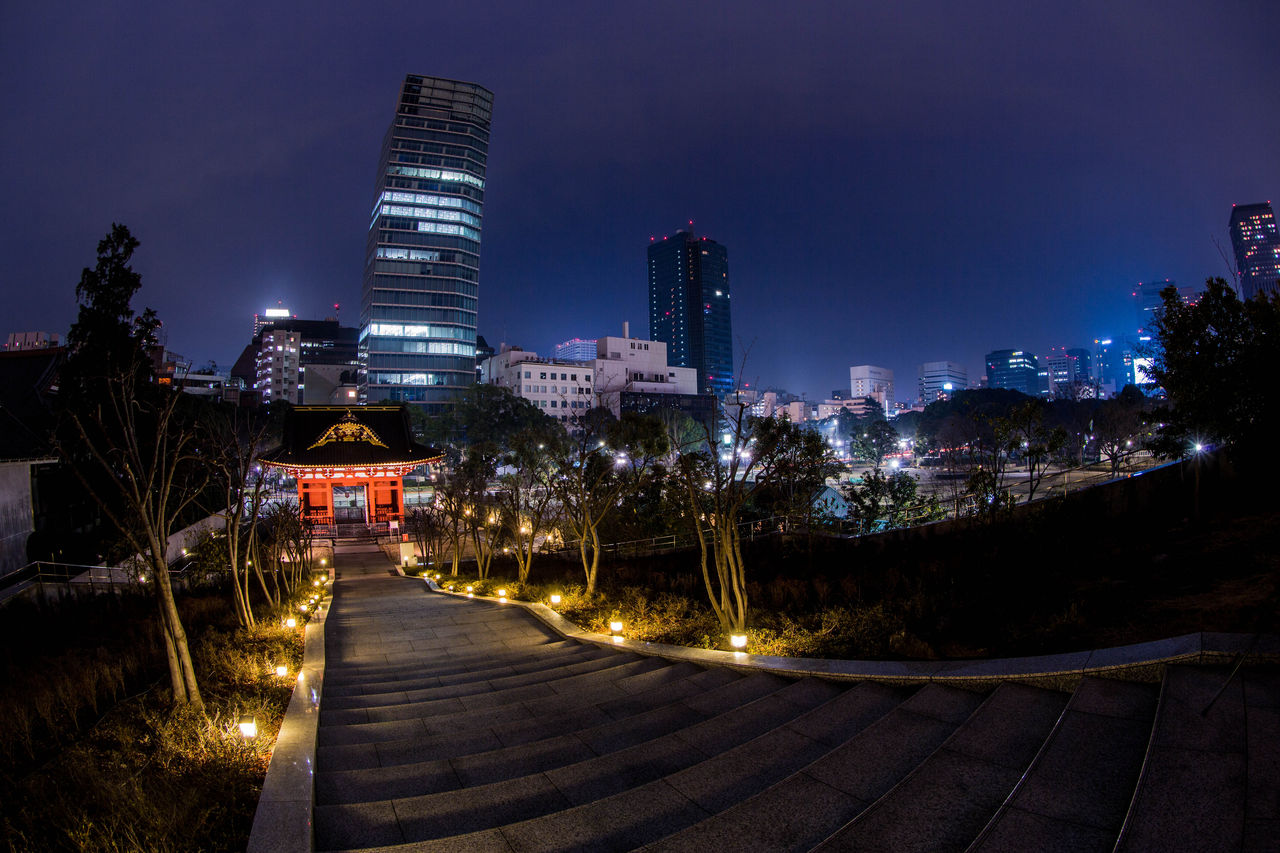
<point x="452" y="724"/>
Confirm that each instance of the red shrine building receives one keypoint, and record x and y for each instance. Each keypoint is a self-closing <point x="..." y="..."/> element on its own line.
<point x="349" y="461"/>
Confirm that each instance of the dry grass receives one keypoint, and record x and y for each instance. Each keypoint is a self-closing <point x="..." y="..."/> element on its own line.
<point x="143" y="776"/>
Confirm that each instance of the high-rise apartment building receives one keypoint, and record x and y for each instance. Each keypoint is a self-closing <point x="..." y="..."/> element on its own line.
<point x="938" y="380"/>
<point x="1257" y="246"/>
<point x="689" y="307"/>
<point x="867" y="380"/>
<point x="422" y="263"/>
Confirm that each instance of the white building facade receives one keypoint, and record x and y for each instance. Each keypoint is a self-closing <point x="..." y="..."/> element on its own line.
<point x="566" y="389"/>
<point x="867" y="380"/>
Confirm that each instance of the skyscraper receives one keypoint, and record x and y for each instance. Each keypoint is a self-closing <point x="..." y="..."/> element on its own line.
<point x="422" y="262"/>
<point x="689" y="307"/>
<point x="1257" y="246"/>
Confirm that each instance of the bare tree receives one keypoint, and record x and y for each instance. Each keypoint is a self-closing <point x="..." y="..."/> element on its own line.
<point x="144" y="446"/>
<point x="234" y="441"/>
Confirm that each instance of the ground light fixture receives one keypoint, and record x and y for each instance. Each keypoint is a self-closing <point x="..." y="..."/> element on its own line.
<point x="323" y="561"/>
<point x="555" y="598"/>
<point x="615" y="627"/>
<point x="302" y="607"/>
<point x="738" y="641"/>
<point x="291" y="622"/>
<point x="470" y="589"/>
<point x="282" y="670"/>
<point x="248" y="726"/>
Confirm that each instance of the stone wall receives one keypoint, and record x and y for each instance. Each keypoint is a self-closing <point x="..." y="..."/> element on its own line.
<point x="16" y="521"/>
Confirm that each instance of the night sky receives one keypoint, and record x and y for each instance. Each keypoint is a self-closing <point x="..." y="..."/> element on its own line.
<point x="895" y="182"/>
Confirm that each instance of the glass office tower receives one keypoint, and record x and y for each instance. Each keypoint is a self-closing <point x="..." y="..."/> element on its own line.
<point x="689" y="307"/>
<point x="422" y="262"/>
<point x="1257" y="246"/>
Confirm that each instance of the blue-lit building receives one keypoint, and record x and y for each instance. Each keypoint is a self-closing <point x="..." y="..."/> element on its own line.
<point x="576" y="349"/>
<point x="689" y="307"/>
<point x="1257" y="247"/>
<point x="1018" y="370"/>
<point x="422" y="263"/>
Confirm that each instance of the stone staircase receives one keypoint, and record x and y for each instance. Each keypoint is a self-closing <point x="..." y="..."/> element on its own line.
<point x="454" y="724"/>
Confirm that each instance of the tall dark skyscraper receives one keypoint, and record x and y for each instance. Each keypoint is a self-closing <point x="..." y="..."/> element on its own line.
<point x="1257" y="248"/>
<point x="689" y="307"/>
<point x="422" y="261"/>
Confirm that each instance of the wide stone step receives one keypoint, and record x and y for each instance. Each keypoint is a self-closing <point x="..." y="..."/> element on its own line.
<point x="633" y="817"/>
<point x="493" y="679"/>
<point x="1076" y="794"/>
<point x="614" y="705"/>
<point x="1191" y="794"/>
<point x="554" y="790"/>
<point x="648" y="672"/>
<point x="470" y="696"/>
<point x="946" y="801"/>
<point x="697" y="727"/>
<point x="448" y="663"/>
<point x="806" y="807"/>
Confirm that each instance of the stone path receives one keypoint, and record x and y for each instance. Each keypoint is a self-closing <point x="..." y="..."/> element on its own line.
<point x="454" y="724"/>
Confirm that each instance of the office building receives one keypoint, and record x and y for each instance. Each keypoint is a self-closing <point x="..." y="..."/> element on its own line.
<point x="1017" y="370"/>
<point x="422" y="263"/>
<point x="689" y="307"/>
<point x="867" y="380"/>
<point x="938" y="380"/>
<point x="576" y="349"/>
<point x="1257" y="246"/>
<point x="1148" y="298"/>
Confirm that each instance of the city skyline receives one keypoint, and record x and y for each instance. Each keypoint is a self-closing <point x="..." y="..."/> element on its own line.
<point x="898" y="186"/>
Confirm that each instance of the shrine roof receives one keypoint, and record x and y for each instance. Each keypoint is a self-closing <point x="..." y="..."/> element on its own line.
<point x="348" y="436"/>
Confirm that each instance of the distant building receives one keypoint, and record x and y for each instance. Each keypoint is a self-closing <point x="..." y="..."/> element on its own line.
<point x="422" y="258"/>
<point x="1084" y="361"/>
<point x="1113" y="363"/>
<point x="859" y="407"/>
<point x="1257" y="248"/>
<point x="20" y="341"/>
<point x="938" y="380"/>
<point x="689" y="307"/>
<point x="270" y="317"/>
<point x="1018" y="370"/>
<point x="867" y="380"/>
<point x="576" y="349"/>
<point x="628" y="374"/>
<point x="1148" y="300"/>
<point x="286" y="353"/>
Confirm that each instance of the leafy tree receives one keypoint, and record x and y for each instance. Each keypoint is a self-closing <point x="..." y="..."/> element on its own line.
<point x="479" y="513"/>
<point x="526" y="496"/>
<point x="486" y="414"/>
<point x="1214" y="359"/>
<point x="132" y="444"/>
<point x="603" y="461"/>
<point x="877" y="440"/>
<point x="882" y="501"/>
<point x="715" y="475"/>
<point x="1118" y="426"/>
<point x="1038" y="442"/>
